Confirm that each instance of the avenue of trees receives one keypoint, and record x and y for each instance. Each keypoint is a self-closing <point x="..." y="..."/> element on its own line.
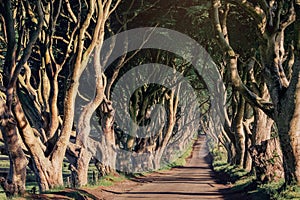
<point x="266" y="77"/>
<point x="46" y="48"/>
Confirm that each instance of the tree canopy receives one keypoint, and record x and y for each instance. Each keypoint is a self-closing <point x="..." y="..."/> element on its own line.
<point x="56" y="92"/>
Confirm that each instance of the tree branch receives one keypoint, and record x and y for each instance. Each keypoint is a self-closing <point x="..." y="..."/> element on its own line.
<point x="251" y="98"/>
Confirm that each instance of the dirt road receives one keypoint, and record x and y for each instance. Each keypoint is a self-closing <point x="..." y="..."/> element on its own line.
<point x="194" y="181"/>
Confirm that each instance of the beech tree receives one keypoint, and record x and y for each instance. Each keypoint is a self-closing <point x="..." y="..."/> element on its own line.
<point x="163" y="138"/>
<point x="272" y="19"/>
<point x="47" y="46"/>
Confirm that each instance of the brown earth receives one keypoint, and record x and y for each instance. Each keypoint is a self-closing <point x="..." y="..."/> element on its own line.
<point x="195" y="180"/>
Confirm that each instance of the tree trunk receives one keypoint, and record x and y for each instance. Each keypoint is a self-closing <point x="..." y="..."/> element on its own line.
<point x="267" y="160"/>
<point x="266" y="152"/>
<point x="49" y="175"/>
<point x="247" y="165"/>
<point x="229" y="146"/>
<point x="231" y="139"/>
<point x="80" y="170"/>
<point x="288" y="123"/>
<point x="172" y="108"/>
<point x="286" y="100"/>
<point x="240" y="133"/>
<point x="102" y="169"/>
<point x="263" y="125"/>
<point x="47" y="169"/>
<point x="109" y="155"/>
<point x="103" y="150"/>
<point x="16" y="179"/>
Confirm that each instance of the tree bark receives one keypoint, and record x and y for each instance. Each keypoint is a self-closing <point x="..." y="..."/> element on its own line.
<point x="109" y="156"/>
<point x="47" y="171"/>
<point x="240" y="133"/>
<point x="265" y="151"/>
<point x="267" y="160"/>
<point x="286" y="102"/>
<point x="284" y="94"/>
<point x="16" y="178"/>
<point x="289" y="128"/>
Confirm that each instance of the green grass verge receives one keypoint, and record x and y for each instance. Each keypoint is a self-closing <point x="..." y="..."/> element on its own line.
<point x="244" y="181"/>
<point x="107" y="180"/>
<point x="181" y="160"/>
<point x="2" y="195"/>
<point x="275" y="191"/>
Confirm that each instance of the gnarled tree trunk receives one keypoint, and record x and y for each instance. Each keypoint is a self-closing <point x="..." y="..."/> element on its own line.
<point x="239" y="132"/>
<point x="265" y="151"/>
<point x="16" y="178"/>
<point x="48" y="169"/>
<point x="267" y="160"/>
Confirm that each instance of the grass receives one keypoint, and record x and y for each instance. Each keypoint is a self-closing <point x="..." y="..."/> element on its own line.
<point x="275" y="191"/>
<point x="2" y="195"/>
<point x="292" y="192"/>
<point x="181" y="160"/>
<point x="108" y="180"/>
<point x="229" y="173"/>
<point x="245" y="181"/>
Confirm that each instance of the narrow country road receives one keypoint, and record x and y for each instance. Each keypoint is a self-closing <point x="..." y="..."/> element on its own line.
<point x="193" y="181"/>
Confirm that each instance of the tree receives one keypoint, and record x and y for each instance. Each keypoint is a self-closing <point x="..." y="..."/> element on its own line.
<point x="159" y="134"/>
<point x="49" y="46"/>
<point x="272" y="18"/>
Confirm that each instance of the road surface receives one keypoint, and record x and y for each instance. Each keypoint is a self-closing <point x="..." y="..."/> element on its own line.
<point x="194" y="181"/>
